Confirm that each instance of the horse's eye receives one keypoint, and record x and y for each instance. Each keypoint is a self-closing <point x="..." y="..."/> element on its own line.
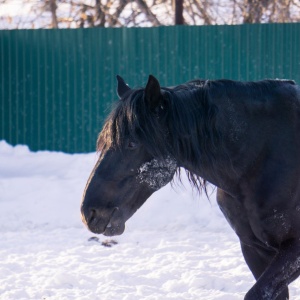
<point x="132" y="145"/>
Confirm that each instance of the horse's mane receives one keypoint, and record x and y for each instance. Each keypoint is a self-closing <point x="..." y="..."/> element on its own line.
<point x="184" y="126"/>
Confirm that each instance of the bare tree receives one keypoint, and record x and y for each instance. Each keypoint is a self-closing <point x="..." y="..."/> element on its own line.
<point x="118" y="13"/>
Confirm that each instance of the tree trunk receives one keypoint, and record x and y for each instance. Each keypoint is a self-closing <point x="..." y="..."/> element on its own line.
<point x="53" y="8"/>
<point x="100" y="16"/>
<point x="179" y="12"/>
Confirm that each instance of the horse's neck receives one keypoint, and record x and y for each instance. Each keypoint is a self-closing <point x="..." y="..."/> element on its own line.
<point x="219" y="177"/>
<point x="216" y="165"/>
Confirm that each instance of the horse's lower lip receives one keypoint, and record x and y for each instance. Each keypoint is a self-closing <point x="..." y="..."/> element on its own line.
<point x="117" y="229"/>
<point x="116" y="224"/>
<point x="108" y="225"/>
<point x="112" y="224"/>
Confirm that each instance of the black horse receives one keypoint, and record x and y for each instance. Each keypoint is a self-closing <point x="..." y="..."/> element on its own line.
<point x="242" y="137"/>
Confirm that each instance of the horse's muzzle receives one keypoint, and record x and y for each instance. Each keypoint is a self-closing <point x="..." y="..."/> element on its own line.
<point x="109" y="222"/>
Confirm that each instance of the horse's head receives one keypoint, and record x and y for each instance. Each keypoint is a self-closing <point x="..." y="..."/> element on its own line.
<point x="134" y="159"/>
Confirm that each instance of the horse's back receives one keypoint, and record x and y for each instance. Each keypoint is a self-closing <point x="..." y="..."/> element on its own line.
<point x="256" y="115"/>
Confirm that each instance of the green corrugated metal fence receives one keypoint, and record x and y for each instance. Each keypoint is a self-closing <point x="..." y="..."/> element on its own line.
<point x="57" y="86"/>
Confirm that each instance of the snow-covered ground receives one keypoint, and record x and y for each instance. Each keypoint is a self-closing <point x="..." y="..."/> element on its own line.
<point x="177" y="246"/>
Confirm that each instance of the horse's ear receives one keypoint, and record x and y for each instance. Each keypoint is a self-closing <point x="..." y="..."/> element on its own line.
<point x="152" y="94"/>
<point x="122" y="87"/>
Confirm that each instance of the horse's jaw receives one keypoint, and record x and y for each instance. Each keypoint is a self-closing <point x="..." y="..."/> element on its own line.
<point x="110" y="221"/>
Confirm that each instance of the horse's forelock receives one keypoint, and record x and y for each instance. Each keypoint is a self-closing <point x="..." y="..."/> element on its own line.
<point x="121" y="123"/>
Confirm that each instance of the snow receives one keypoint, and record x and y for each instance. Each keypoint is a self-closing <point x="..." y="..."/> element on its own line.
<point x="177" y="246"/>
<point x="157" y="173"/>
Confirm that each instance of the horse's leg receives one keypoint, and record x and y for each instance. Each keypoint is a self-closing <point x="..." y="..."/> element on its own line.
<point x="257" y="261"/>
<point x="283" y="269"/>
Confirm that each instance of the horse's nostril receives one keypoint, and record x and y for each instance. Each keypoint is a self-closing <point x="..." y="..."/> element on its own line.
<point x="91" y="216"/>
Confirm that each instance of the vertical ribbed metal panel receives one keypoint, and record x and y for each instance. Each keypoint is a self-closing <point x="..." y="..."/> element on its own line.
<point x="57" y="86"/>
